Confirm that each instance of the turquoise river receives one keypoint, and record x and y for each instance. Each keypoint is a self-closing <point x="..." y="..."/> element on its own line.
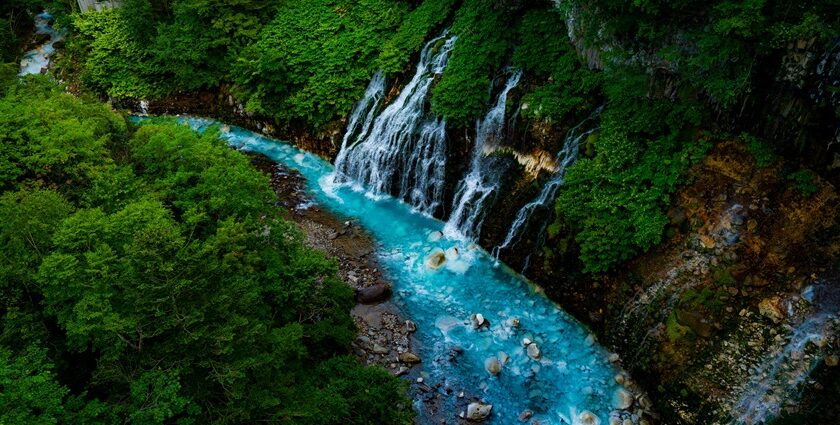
<point x="571" y="376"/>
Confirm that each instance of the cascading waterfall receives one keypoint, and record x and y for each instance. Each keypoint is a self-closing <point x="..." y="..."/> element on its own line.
<point x="481" y="183"/>
<point x="565" y="158"/>
<point x="401" y="151"/>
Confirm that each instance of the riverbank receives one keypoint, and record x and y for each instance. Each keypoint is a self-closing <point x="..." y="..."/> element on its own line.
<point x="384" y="333"/>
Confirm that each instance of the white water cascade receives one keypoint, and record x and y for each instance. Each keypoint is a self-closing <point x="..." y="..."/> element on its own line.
<point x="481" y="183"/>
<point x="402" y="151"/>
<point x="543" y="202"/>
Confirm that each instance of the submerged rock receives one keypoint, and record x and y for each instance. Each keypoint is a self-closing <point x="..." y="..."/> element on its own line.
<point x="525" y="415"/>
<point x="374" y="294"/>
<point x="492" y="366"/>
<point x="478" y="411"/>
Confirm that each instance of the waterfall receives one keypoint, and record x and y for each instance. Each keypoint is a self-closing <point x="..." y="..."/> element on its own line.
<point x="481" y="183"/>
<point x="402" y="151"/>
<point x="543" y="202"/>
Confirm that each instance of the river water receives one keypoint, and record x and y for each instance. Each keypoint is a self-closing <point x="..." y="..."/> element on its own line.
<point x="572" y="374"/>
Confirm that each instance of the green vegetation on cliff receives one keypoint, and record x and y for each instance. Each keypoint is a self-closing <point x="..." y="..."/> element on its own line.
<point x="148" y="278"/>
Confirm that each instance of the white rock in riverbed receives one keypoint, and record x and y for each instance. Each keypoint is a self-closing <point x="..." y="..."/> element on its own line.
<point x="478" y="321"/>
<point x="588" y="418"/>
<point x="623" y="399"/>
<point x="492" y="366"/>
<point x="533" y="351"/>
<point x="478" y="411"/>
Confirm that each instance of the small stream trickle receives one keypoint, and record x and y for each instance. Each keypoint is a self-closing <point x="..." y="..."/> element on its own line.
<point x="544" y="202"/>
<point x="481" y="184"/>
<point x="571" y="381"/>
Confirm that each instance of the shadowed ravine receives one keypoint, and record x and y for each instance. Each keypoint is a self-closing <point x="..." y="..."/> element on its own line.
<point x="571" y="375"/>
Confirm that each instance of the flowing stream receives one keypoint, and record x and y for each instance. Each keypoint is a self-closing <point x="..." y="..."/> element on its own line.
<point x="35" y="61"/>
<point x="572" y="379"/>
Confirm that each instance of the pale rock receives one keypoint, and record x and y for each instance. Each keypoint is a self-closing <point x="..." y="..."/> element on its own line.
<point x="410" y="326"/>
<point x="623" y="399"/>
<point x="503" y="357"/>
<point x="831" y="361"/>
<point x="614" y="358"/>
<point x="771" y="309"/>
<point x="525" y="415"/>
<point x="533" y="351"/>
<point x="526" y="342"/>
<point x="492" y="366"/>
<point x="587" y="418"/>
<point x="619" y="379"/>
<point x="436" y="259"/>
<point x="478" y="411"/>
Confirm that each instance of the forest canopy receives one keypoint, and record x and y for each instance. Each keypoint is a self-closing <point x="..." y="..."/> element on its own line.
<point x="147" y="277"/>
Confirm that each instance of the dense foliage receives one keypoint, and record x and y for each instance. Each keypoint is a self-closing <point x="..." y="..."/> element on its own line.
<point x="544" y="50"/>
<point x="314" y="59"/>
<point x="615" y="202"/>
<point x="146" y="277"/>
<point x="483" y="40"/>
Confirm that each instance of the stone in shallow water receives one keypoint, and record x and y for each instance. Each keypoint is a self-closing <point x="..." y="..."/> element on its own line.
<point x="492" y="366"/>
<point x="478" y="411"/>
<point x="478" y="321"/>
<point x="435" y="236"/>
<point x="587" y="418"/>
<point x="436" y="259"/>
<point x="623" y="399"/>
<point x="533" y="351"/>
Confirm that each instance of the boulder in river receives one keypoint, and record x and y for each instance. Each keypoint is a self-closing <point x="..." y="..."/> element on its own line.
<point x="478" y="411"/>
<point x="374" y="294"/>
<point x="533" y="351"/>
<point x="587" y="418"/>
<point x="493" y="366"/>
<point x="771" y="309"/>
<point x="436" y="259"/>
<point x="479" y="321"/>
